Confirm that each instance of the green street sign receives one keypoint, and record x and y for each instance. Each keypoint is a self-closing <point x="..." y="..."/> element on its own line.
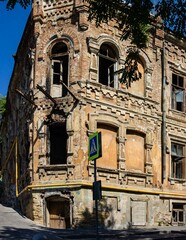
<point x="95" y="146"/>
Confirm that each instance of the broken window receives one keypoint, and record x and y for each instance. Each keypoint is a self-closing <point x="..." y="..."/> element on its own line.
<point x="178" y="92"/>
<point x="177" y="161"/>
<point x="58" y="143"/>
<point x="107" y="66"/>
<point x="178" y="213"/>
<point x="59" y="69"/>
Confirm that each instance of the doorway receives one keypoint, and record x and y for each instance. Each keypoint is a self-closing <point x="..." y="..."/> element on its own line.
<point x="58" y="213"/>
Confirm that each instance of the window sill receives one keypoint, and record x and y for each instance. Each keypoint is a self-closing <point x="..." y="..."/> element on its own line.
<point x="55" y="169"/>
<point x="177" y="180"/>
<point x="176" y="112"/>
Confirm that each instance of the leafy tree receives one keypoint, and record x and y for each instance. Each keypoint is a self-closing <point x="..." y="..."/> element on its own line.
<point x="134" y="18"/>
<point x="2" y="105"/>
<point x="11" y="3"/>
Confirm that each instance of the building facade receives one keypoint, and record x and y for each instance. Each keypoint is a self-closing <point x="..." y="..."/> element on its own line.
<point x="62" y="90"/>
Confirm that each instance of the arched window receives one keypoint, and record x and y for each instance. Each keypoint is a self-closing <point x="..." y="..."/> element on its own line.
<point x="60" y="62"/>
<point x="107" y="66"/>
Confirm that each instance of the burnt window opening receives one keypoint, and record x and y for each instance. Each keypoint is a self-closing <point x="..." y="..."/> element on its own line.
<point x="178" y="92"/>
<point x="177" y="161"/>
<point x="58" y="143"/>
<point x="107" y="66"/>
<point x="178" y="213"/>
<point x="60" y="63"/>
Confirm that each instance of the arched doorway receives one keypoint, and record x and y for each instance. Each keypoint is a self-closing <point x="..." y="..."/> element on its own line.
<point x="58" y="212"/>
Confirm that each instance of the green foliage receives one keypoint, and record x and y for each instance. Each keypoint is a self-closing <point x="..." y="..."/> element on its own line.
<point x="130" y="72"/>
<point x="11" y="3"/>
<point x="134" y="16"/>
<point x="173" y="14"/>
<point x="2" y="105"/>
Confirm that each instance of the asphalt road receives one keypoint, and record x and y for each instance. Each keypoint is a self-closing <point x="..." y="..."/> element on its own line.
<point x="14" y="226"/>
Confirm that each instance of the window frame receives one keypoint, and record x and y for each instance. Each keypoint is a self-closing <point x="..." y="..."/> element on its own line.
<point x="111" y="79"/>
<point x="63" y="59"/>
<point x="175" y="89"/>
<point x="175" y="166"/>
<point x="178" y="208"/>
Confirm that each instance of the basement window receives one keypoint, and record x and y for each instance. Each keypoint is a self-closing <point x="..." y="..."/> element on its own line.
<point x="107" y="66"/>
<point x="177" y="161"/>
<point x="178" y="92"/>
<point x="60" y="62"/>
<point x="58" y="143"/>
<point x="178" y="214"/>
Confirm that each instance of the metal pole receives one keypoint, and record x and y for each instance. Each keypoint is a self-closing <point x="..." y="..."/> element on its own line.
<point x="96" y="201"/>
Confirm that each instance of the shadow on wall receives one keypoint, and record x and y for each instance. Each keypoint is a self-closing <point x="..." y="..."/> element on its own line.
<point x="105" y="216"/>
<point x="1" y="188"/>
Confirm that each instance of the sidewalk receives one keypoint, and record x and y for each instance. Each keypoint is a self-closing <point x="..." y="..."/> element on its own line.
<point x="136" y="233"/>
<point x="17" y="227"/>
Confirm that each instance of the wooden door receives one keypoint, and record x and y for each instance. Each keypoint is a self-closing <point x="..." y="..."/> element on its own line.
<point x="59" y="216"/>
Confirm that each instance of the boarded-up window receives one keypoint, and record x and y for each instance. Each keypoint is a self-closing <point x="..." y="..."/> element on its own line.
<point x="138" y="87"/>
<point x="138" y="213"/>
<point x="109" y="146"/>
<point x="135" y="150"/>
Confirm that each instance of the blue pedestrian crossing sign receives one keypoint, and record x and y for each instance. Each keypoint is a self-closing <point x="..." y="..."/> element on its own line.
<point x="95" y="146"/>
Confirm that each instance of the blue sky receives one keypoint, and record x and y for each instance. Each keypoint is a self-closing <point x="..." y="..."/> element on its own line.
<point x="12" y="24"/>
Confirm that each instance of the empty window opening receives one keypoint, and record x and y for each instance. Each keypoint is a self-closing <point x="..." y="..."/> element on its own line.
<point x="58" y="144"/>
<point x="60" y="62"/>
<point x="178" y="213"/>
<point x="177" y="161"/>
<point x="107" y="66"/>
<point x="178" y="92"/>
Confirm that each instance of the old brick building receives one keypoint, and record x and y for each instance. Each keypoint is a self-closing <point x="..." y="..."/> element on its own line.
<point x="62" y="90"/>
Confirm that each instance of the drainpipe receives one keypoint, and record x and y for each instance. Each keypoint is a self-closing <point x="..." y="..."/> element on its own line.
<point x="163" y="131"/>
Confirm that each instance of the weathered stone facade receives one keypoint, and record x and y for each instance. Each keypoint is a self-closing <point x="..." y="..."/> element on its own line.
<point x="45" y="146"/>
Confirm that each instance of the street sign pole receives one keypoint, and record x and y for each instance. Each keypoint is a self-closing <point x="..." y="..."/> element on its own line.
<point x="96" y="201"/>
<point x="95" y="152"/>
